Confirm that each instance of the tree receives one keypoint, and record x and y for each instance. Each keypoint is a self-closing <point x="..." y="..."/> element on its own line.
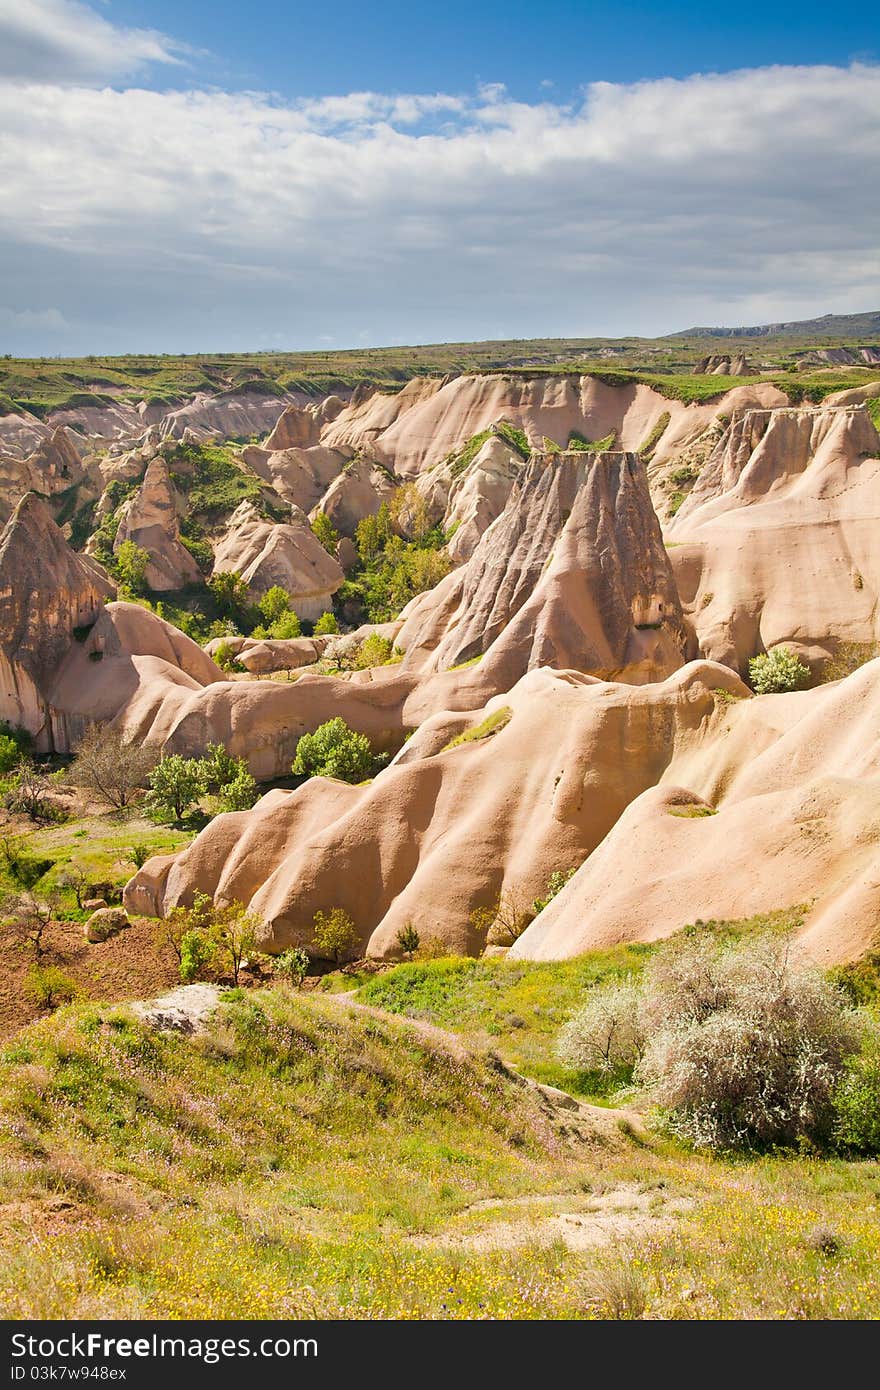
<point x="76" y="879"/>
<point x="286" y="627"/>
<point x="176" y="784"/>
<point x="335" y="934"/>
<point x="326" y="625"/>
<point x="334" y="750"/>
<point x="230" y="593"/>
<point x="240" y="793"/>
<point x="372" y="532"/>
<point x="776" y="672"/>
<point x="274" y="603"/>
<point x="512" y="916"/>
<point x="30" y="917"/>
<point x="229" y="778"/>
<point x="234" y="934"/>
<point x="408" y="939"/>
<point x="324" y="531"/>
<point x="196" y="955"/>
<point x="131" y="563"/>
<point x="409" y="512"/>
<point x="111" y="766"/>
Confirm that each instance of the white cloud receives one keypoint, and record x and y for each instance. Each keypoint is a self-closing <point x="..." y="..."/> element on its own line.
<point x="67" y="42"/>
<point x="197" y="219"/>
<point x="51" y="319"/>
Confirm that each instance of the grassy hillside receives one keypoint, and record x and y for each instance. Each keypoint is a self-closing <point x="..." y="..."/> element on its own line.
<point x="304" y="1156"/>
<point x="45" y="384"/>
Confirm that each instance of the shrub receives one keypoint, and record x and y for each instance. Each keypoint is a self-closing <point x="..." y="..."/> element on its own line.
<point x="230" y="593"/>
<point x="292" y="966"/>
<point x="335" y="934"/>
<point x="111" y="766"/>
<point x="408" y="939"/>
<point x="326" y="625"/>
<point x="226" y="659"/>
<point x="31" y="793"/>
<point x="375" y="650"/>
<point x="274" y="603"/>
<point x="176" y="784"/>
<point x="555" y="884"/>
<point x="372" y="533"/>
<point x="334" y="750"/>
<point x="48" y="986"/>
<point x="775" y="672"/>
<point x="511" y="917"/>
<point x="745" y="1044"/>
<point x="607" y="1034"/>
<point x="857" y="1103"/>
<point x="286" y="627"/>
<point x="9" y="753"/>
<point x="30" y="917"/>
<point x="139" y="854"/>
<point x="197" y="952"/>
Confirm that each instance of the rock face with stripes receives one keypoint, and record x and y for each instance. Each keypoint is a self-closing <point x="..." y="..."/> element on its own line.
<point x="572" y="574"/>
<point x="776" y="544"/>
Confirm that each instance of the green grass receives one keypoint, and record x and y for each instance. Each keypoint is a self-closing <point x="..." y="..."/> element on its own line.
<point x="286" y="1159"/>
<point x="692" y="812"/>
<point x="490" y="725"/>
<point x="577" y="441"/>
<point x="98" y="845"/>
<point x="650" y="442"/>
<point x="461" y="459"/>
<point x="518" y="1006"/>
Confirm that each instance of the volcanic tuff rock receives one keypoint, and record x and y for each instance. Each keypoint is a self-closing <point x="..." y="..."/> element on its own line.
<point x="150" y="520"/>
<point x="721" y="365"/>
<point x="267" y="553"/>
<point x="443" y="829"/>
<point x="299" y="476"/>
<point x="358" y="491"/>
<point x="777" y="541"/>
<point x="573" y="573"/>
<point x="783" y="791"/>
<point x="46" y="591"/>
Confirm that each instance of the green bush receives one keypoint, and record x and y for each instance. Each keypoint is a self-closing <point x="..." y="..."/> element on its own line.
<point x="9" y="753"/>
<point x="375" y="650"/>
<point x="334" y="750"/>
<point x="326" y="625"/>
<point x="239" y="793"/>
<point x="857" y="1104"/>
<point x="776" y="672"/>
<point x="48" y="986"/>
<point x="197" y="954"/>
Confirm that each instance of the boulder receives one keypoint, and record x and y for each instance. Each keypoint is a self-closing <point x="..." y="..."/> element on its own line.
<point x="105" y="922"/>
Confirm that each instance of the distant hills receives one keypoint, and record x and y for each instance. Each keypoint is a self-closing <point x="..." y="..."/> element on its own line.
<point x="831" y="326"/>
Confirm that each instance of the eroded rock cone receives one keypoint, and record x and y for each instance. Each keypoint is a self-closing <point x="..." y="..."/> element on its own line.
<point x="287" y="554"/>
<point x="150" y="520"/>
<point x="572" y="574"/>
<point x="47" y="591"/>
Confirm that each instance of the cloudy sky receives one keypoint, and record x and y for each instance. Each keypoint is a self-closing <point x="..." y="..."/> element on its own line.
<point x="179" y="178"/>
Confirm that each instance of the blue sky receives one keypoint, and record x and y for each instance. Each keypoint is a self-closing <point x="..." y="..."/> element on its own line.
<point x="308" y="49"/>
<point x="194" y="177"/>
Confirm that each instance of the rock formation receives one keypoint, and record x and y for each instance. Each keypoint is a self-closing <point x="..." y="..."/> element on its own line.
<point x="573" y="573"/>
<point x="775" y="544"/>
<point x="775" y="805"/>
<point x="267" y="553"/>
<point x="47" y="594"/>
<point x="723" y="365"/>
<point x="150" y="520"/>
